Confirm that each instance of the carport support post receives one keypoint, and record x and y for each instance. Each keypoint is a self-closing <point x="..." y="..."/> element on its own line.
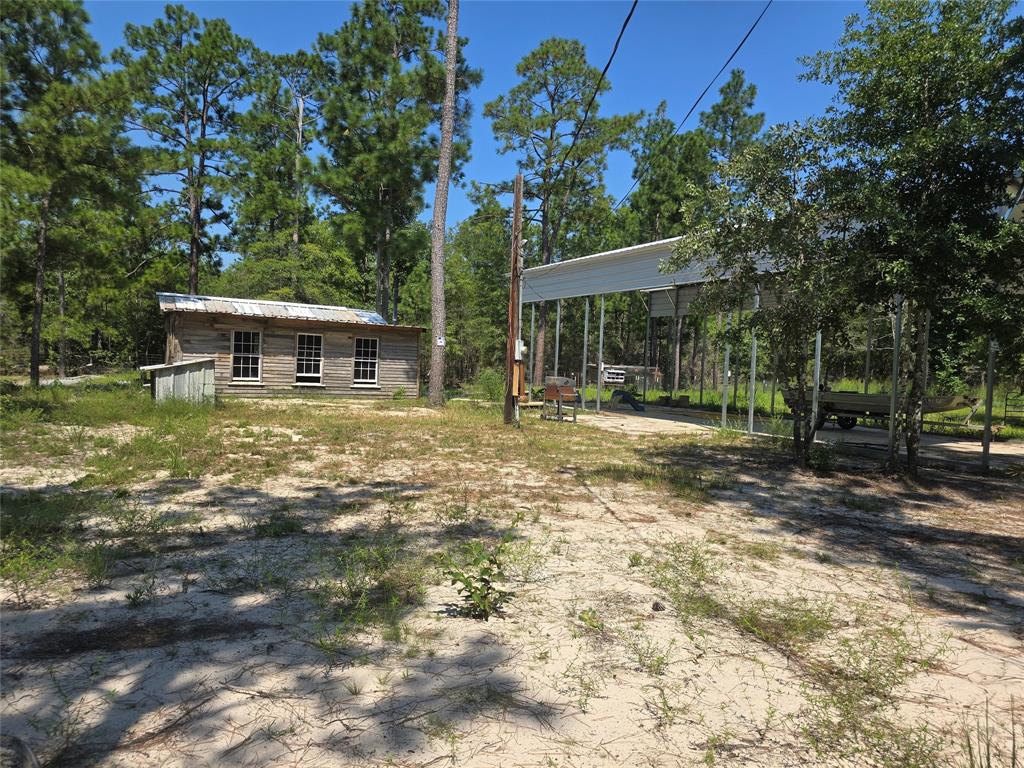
<point x="897" y="332"/>
<point x="817" y="381"/>
<point x="752" y="380"/>
<point x="986" y="436"/>
<point x="775" y="375"/>
<point x="703" y="353"/>
<point x="533" y="309"/>
<point x="725" y="374"/>
<point x="647" y="351"/>
<point x="586" y="340"/>
<point x="600" y="354"/>
<point x="558" y="331"/>
<point x="867" y="356"/>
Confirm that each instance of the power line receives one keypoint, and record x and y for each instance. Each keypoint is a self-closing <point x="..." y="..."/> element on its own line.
<point x="693" y="107"/>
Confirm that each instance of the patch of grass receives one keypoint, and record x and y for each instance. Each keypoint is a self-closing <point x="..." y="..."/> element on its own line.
<point x="786" y="624"/>
<point x="27" y="567"/>
<point x="646" y="653"/>
<point x="759" y="550"/>
<point x="372" y="581"/>
<point x="682" y="482"/>
<point x="277" y="525"/>
<point x="851" y="707"/>
<point x="981" y="747"/>
<point x="524" y="560"/>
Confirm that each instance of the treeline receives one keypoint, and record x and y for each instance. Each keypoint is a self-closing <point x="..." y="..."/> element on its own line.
<point x="138" y="172"/>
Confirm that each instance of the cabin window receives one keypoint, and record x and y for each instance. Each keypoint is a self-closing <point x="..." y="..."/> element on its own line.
<point x="245" y="355"/>
<point x="309" y="358"/>
<point x="365" y="370"/>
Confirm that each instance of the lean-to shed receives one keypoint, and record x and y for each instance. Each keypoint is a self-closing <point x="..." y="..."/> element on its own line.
<point x="278" y="347"/>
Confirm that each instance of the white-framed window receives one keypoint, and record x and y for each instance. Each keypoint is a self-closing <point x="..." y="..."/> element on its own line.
<point x="365" y="361"/>
<point x="309" y="358"/>
<point x="246" y="354"/>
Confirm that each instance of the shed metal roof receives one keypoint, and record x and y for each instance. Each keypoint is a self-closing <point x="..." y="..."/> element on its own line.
<point x="285" y="310"/>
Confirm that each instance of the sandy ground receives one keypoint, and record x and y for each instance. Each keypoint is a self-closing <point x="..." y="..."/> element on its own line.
<point x="965" y="451"/>
<point x="227" y="666"/>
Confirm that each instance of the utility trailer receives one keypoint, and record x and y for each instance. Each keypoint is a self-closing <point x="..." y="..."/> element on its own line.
<point x="848" y="407"/>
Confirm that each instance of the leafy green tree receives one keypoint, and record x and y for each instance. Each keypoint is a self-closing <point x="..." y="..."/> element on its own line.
<point x="187" y="76"/>
<point x="381" y="91"/>
<point x="561" y="155"/>
<point x="63" y="156"/>
<point x="786" y="177"/>
<point x="929" y="117"/>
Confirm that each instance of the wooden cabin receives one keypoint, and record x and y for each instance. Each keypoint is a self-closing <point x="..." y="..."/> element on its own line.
<point x="265" y="348"/>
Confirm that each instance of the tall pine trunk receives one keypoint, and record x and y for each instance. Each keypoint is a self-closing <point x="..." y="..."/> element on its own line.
<point x="298" y="183"/>
<point x="37" y="297"/>
<point x="194" y="245"/>
<point x="437" y="232"/>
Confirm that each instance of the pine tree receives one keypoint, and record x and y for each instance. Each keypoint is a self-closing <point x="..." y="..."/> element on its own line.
<point x="539" y="119"/>
<point x="381" y="92"/>
<point x="187" y="77"/>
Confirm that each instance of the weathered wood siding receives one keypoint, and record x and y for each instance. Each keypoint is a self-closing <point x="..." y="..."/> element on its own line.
<point x="199" y="335"/>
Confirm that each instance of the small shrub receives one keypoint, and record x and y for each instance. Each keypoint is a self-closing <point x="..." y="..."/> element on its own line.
<point x="822" y="458"/>
<point x="477" y="577"/>
<point x="635" y="559"/>
<point x="143" y="593"/>
<point x="93" y="562"/>
<point x="589" y="618"/>
<point x="399" y="394"/>
<point x="489" y="385"/>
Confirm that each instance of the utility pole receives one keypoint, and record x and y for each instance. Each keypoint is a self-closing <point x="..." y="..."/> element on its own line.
<point x="513" y="345"/>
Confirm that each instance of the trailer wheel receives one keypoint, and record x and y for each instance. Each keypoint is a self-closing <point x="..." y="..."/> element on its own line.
<point x="847" y="422"/>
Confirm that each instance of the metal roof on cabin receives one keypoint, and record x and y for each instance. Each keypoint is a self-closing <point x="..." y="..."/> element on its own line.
<point x="285" y="310"/>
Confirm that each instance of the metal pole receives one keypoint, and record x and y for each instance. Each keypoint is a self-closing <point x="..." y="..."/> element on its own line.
<point x="986" y="436"/>
<point x="775" y="376"/>
<point x="586" y="339"/>
<point x="600" y="355"/>
<point x="703" y="354"/>
<point x="867" y="357"/>
<point x="533" y="312"/>
<point x="897" y="333"/>
<point x="817" y="381"/>
<point x="676" y="333"/>
<point x="752" y="381"/>
<point x="647" y="350"/>
<point x="725" y="374"/>
<point x="558" y="331"/>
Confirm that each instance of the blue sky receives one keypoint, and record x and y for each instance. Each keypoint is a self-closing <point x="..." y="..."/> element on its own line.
<point x="669" y="52"/>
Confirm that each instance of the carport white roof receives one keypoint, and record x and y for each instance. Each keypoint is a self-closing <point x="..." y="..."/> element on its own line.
<point x="287" y="310"/>
<point x="636" y="268"/>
